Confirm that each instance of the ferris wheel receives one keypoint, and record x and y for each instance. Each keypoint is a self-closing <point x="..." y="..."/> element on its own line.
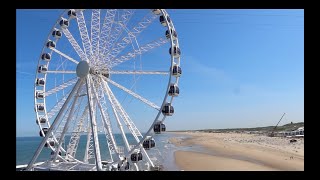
<point x="97" y="67"/>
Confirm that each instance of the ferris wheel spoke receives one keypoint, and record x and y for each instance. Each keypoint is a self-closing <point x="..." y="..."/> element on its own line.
<point x="106" y="28"/>
<point x="61" y="86"/>
<point x="128" y="122"/>
<point x="142" y="25"/>
<point x="84" y="34"/>
<point x="56" y="120"/>
<point x="66" y="56"/>
<point x="93" y="123"/>
<point x="142" y="99"/>
<point x="74" y="44"/>
<point x="66" y="125"/>
<point x="75" y="136"/>
<point x="143" y="49"/>
<point x="95" y="31"/>
<point x="135" y="132"/>
<point x="106" y="123"/>
<point x="116" y="114"/>
<point x="118" y="28"/>
<point x="139" y="72"/>
<point x="62" y="72"/>
<point x="56" y="108"/>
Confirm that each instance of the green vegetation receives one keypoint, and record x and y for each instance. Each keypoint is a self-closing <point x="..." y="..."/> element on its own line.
<point x="286" y="127"/>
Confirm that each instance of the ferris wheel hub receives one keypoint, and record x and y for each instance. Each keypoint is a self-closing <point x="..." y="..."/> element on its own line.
<point x="82" y="69"/>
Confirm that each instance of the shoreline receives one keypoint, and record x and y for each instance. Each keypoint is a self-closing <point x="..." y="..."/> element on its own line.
<point x="237" y="152"/>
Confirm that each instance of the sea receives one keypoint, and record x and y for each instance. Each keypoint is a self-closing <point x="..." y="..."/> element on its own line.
<point x="27" y="146"/>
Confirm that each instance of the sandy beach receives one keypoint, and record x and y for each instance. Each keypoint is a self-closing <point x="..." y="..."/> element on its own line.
<point x="239" y="152"/>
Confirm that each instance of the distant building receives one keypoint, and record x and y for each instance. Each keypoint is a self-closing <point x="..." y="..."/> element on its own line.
<point x="294" y="133"/>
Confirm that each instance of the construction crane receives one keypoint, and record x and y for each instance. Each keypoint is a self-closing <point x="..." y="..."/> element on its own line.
<point x="272" y="132"/>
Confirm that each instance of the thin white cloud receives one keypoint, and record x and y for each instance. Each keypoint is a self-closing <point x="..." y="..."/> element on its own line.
<point x="21" y="72"/>
<point x="194" y="65"/>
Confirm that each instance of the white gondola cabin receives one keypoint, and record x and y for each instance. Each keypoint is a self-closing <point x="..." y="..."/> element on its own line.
<point x="64" y="23"/>
<point x="72" y="13"/>
<point x="167" y="109"/>
<point x="40" y="81"/>
<point x="159" y="127"/>
<point x="51" y="44"/>
<point x="40" y="107"/>
<point x="127" y="166"/>
<point x="45" y="130"/>
<point x="136" y="156"/>
<point x="42" y="120"/>
<point x="156" y="11"/>
<point x="176" y="52"/>
<point x="163" y="127"/>
<point x="176" y="70"/>
<point x="42" y="69"/>
<point x="51" y="143"/>
<point x="174" y="34"/>
<point x="39" y="94"/>
<point x="52" y="153"/>
<point x="148" y="143"/>
<point x="46" y="57"/>
<point x="163" y="20"/>
<point x="56" y="33"/>
<point x="174" y="90"/>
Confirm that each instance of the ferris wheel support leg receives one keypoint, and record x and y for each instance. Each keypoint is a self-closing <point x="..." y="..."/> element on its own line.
<point x="136" y="165"/>
<point x="55" y="122"/>
<point x="86" y="154"/>
<point x="93" y="125"/>
<point x="105" y="125"/>
<point x="67" y="124"/>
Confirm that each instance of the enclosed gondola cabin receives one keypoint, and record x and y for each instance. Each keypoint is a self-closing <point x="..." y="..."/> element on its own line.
<point x="56" y="34"/>
<point x="127" y="166"/>
<point x="139" y="156"/>
<point x="72" y="13"/>
<point x="42" y="69"/>
<point x="163" y="127"/>
<point x="176" y="52"/>
<point x="107" y="75"/>
<point x="174" y="34"/>
<point x="163" y="20"/>
<point x="42" y="120"/>
<point x="176" y="70"/>
<point x="51" y="44"/>
<point x="148" y="143"/>
<point x="159" y="127"/>
<point x="167" y="109"/>
<point x="64" y="23"/>
<point x="52" y="153"/>
<point x="40" y="107"/>
<point x="156" y="168"/>
<point x="136" y="156"/>
<point x="173" y="90"/>
<point x="45" y="130"/>
<point x="156" y="11"/>
<point x="51" y="143"/>
<point x="40" y="82"/>
<point x="46" y="57"/>
<point x="39" y="94"/>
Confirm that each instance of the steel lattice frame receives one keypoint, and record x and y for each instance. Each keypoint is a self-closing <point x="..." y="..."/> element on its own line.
<point x="82" y="100"/>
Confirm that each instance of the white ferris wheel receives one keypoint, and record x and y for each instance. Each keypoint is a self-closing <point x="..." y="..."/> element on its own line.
<point x="97" y="67"/>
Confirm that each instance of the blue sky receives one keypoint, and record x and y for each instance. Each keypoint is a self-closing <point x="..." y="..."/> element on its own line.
<point x="241" y="68"/>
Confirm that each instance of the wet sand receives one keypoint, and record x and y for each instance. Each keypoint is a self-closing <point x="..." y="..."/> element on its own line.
<point x="239" y="152"/>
